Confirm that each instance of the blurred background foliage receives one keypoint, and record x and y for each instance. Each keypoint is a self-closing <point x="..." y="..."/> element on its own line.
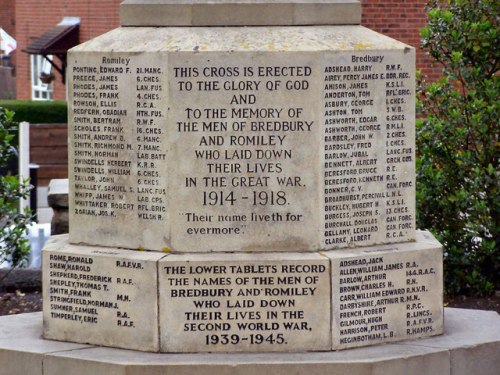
<point x="457" y="142"/>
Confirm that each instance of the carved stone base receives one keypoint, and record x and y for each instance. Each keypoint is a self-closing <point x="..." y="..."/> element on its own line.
<point x="226" y="302"/>
<point x="469" y="345"/>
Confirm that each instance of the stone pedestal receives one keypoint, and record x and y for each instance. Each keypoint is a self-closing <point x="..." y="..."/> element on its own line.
<point x="268" y="169"/>
<point x="230" y="147"/>
<point x="101" y="296"/>
<point x="286" y="302"/>
<point x="239" y="13"/>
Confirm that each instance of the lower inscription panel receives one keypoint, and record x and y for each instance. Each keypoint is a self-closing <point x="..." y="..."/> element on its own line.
<point x="244" y="302"/>
<point x="98" y="295"/>
<point x="387" y="293"/>
<point x="235" y="302"/>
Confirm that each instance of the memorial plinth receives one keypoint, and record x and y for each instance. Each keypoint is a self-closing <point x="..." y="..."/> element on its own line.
<point x="242" y="139"/>
<point x="223" y="302"/>
<point x="268" y="170"/>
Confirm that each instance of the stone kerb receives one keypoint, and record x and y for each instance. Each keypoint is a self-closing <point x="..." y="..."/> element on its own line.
<point x="469" y="345"/>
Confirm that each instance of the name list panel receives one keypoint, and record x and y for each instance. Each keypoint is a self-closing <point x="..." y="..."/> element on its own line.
<point x="97" y="295"/>
<point x="118" y="149"/>
<point x="369" y="148"/>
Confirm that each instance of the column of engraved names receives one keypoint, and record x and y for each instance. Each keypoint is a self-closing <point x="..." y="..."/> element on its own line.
<point x="256" y="305"/>
<point x="151" y="151"/>
<point x="381" y="297"/>
<point x="365" y="289"/>
<point x="243" y="146"/>
<point x="81" y="292"/>
<point x="352" y="137"/>
<point x="98" y="142"/>
<point x="399" y="151"/>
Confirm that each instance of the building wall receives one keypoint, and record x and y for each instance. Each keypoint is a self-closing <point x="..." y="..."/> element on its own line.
<point x="7" y="73"/>
<point x="7" y="16"/>
<point x="35" y="17"/>
<point x="400" y="19"/>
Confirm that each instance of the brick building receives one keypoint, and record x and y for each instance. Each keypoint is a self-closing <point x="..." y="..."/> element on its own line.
<point x="8" y="25"/>
<point x="7" y="16"/>
<point x="34" y="18"/>
<point x="400" y="19"/>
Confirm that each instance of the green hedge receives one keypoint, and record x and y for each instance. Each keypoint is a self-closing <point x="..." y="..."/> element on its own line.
<point x="458" y="151"/>
<point x="37" y="112"/>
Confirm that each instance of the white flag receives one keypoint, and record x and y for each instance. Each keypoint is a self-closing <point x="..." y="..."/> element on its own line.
<point x="7" y="43"/>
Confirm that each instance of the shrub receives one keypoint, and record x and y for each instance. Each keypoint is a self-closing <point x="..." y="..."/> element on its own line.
<point x="37" y="112"/>
<point x="457" y="142"/>
<point x="14" y="246"/>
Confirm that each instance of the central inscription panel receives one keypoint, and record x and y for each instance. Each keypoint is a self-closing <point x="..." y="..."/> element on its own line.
<point x="206" y="151"/>
<point x="239" y="139"/>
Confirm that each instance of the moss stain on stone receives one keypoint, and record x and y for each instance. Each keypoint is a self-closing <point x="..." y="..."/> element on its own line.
<point x="362" y="46"/>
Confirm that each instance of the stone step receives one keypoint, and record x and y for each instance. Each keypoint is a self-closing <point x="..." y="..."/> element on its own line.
<point x="470" y="345"/>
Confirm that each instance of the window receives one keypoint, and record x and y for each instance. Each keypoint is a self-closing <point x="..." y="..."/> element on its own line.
<point x="40" y="90"/>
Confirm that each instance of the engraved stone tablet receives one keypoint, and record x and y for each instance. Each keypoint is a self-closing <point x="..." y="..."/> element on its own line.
<point x="387" y="293"/>
<point x="101" y="296"/>
<point x="242" y="139"/>
<point x="243" y="302"/>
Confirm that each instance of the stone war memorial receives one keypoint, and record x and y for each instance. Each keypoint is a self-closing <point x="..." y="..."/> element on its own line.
<point x="242" y="201"/>
<point x="242" y="179"/>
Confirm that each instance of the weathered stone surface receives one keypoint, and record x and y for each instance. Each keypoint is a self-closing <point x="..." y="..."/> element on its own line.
<point x="387" y="293"/>
<point x="472" y="334"/>
<point x="242" y="139"/>
<point x="239" y="12"/>
<point x="57" y="198"/>
<point x="22" y="348"/>
<point x="224" y="302"/>
<point x="57" y="194"/>
<point x="244" y="302"/>
<point x="60" y="221"/>
<point x="472" y="350"/>
<point x="101" y="296"/>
